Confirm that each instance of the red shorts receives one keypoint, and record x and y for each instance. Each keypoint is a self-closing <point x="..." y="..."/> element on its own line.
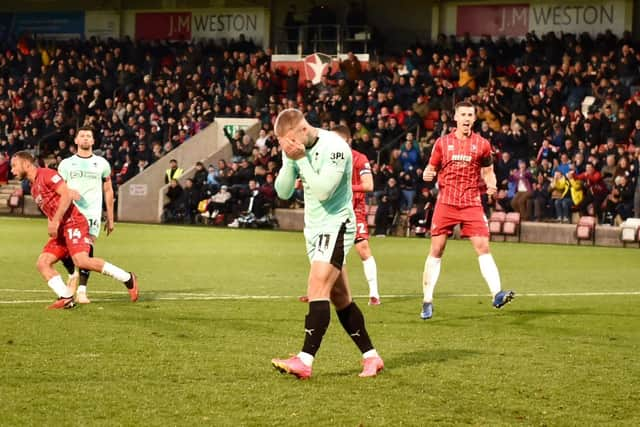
<point x="445" y="217"/>
<point x="362" y="228"/>
<point x="73" y="238"/>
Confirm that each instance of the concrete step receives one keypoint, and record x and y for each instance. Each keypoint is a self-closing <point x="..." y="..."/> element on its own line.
<point x="4" y="209"/>
<point x="7" y="189"/>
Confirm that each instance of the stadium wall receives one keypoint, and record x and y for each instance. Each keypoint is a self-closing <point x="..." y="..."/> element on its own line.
<point x="188" y="24"/>
<point x="141" y="199"/>
<point x="516" y="19"/>
<point x="530" y="232"/>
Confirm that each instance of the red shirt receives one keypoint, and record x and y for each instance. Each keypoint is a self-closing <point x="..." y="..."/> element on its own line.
<point x="458" y="162"/>
<point x="44" y="193"/>
<point x="360" y="167"/>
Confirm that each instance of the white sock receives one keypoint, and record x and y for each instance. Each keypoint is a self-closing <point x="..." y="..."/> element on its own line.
<point x="371" y="274"/>
<point x="306" y="358"/>
<point x="430" y="277"/>
<point x="489" y="271"/>
<point x="370" y="353"/>
<point x="82" y="289"/>
<point x="57" y="285"/>
<point x="115" y="272"/>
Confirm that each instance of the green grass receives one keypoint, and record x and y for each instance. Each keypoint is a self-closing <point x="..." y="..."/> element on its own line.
<point x="183" y="356"/>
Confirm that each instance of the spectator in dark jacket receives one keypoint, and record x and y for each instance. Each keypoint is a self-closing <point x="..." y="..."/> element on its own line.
<point x="388" y="206"/>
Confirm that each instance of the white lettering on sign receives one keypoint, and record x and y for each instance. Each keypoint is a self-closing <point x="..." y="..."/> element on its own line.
<point x="230" y="24"/>
<point x="179" y="24"/>
<point x="241" y="22"/>
<point x="138" y="190"/>
<point x="513" y="18"/>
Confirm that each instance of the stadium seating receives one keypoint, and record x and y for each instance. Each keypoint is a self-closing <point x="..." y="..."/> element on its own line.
<point x="371" y="216"/>
<point x="511" y="226"/>
<point x="586" y="229"/>
<point x="630" y="231"/>
<point x="496" y="221"/>
<point x="504" y="224"/>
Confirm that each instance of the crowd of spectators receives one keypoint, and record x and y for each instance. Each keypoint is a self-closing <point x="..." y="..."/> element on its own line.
<point x="552" y="156"/>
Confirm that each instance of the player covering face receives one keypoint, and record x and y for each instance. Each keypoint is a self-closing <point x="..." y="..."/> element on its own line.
<point x="322" y="160"/>
<point x="67" y="228"/>
<point x="361" y="184"/>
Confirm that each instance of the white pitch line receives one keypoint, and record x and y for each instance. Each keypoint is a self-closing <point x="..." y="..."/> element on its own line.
<point x="186" y="296"/>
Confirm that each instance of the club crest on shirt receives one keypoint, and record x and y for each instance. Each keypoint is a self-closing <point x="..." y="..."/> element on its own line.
<point x="474" y="148"/>
<point x="449" y="147"/>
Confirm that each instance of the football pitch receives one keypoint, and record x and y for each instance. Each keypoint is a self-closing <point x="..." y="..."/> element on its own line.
<point x="216" y="305"/>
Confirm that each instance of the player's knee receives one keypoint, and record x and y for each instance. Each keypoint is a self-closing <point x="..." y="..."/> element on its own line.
<point x="436" y="251"/>
<point x="81" y="261"/>
<point x="42" y="264"/>
<point x="364" y="251"/>
<point x="340" y="298"/>
<point x="481" y="247"/>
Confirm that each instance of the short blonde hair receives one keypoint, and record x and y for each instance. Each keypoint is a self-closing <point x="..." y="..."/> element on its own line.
<point x="287" y="120"/>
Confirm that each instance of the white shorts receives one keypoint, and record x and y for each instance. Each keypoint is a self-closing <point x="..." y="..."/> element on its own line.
<point x="330" y="244"/>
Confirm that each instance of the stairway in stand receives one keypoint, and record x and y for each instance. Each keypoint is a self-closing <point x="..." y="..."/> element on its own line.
<point x="5" y="192"/>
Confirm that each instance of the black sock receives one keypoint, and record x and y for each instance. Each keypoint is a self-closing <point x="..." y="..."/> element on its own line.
<point x="315" y="325"/>
<point x="129" y="283"/>
<point x="84" y="274"/>
<point x="352" y="321"/>
<point x="68" y="264"/>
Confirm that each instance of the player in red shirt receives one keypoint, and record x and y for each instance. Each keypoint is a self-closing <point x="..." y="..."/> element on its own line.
<point x="68" y="230"/>
<point x="361" y="184"/>
<point x="460" y="159"/>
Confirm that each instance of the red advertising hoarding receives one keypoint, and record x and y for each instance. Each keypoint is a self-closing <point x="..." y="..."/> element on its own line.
<point x="163" y="26"/>
<point x="496" y="20"/>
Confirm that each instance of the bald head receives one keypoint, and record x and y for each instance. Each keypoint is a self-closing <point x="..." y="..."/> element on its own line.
<point x="287" y="120"/>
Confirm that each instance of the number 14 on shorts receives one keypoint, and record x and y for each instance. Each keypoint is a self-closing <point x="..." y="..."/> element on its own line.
<point x="74" y="233"/>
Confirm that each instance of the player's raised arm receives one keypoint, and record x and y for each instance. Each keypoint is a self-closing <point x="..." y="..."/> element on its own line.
<point x="286" y="179"/>
<point x="487" y="172"/>
<point x="323" y="184"/>
<point x="435" y="162"/>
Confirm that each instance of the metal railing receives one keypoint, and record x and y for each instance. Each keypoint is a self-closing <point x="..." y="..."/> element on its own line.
<point x="329" y="39"/>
